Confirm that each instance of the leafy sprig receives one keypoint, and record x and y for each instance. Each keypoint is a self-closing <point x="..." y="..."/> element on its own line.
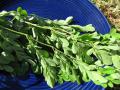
<point x="57" y="50"/>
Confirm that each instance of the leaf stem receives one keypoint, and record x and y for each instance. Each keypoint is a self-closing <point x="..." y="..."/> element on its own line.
<point x="20" y="33"/>
<point x="11" y="30"/>
<point x="48" y="27"/>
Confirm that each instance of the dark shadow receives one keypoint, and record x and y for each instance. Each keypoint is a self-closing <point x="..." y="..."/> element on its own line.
<point x="8" y="82"/>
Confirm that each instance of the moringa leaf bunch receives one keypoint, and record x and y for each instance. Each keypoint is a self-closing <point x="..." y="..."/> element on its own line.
<point x="58" y="50"/>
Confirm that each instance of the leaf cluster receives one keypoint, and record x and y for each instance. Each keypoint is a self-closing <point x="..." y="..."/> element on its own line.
<point x="58" y="50"/>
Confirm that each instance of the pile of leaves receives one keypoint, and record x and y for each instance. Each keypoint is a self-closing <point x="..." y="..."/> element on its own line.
<point x="111" y="9"/>
<point x="58" y="50"/>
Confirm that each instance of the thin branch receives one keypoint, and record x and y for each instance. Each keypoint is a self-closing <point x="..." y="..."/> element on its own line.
<point x="48" y="27"/>
<point x="11" y="30"/>
<point x="20" y="33"/>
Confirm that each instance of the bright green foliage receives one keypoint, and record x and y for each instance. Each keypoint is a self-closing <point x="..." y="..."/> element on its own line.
<point x="57" y="50"/>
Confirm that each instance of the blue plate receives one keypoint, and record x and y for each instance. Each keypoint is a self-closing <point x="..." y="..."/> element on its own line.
<point x="83" y="11"/>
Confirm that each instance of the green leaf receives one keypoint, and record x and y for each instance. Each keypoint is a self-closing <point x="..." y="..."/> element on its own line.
<point x="88" y="28"/>
<point x="107" y="70"/>
<point x="60" y="22"/>
<point x="95" y="76"/>
<point x="75" y="76"/>
<point x="43" y="63"/>
<point x="114" y="34"/>
<point x="68" y="69"/>
<point x="63" y="58"/>
<point x="83" y="69"/>
<point x="85" y="77"/>
<point x="4" y="13"/>
<point x="115" y="47"/>
<point x="50" y="62"/>
<point x="56" y="60"/>
<point x="116" y="61"/>
<point x="72" y="78"/>
<point x="36" y="69"/>
<point x="75" y="48"/>
<point x="115" y="76"/>
<point x="50" y="81"/>
<point x="31" y="62"/>
<point x="24" y="13"/>
<point x="105" y="57"/>
<point x="98" y="63"/>
<point x="60" y="80"/>
<point x="57" y="45"/>
<point x="97" y="82"/>
<point x="116" y="81"/>
<point x="92" y="67"/>
<point x="65" y="42"/>
<point x="113" y="31"/>
<point x="66" y="50"/>
<point x="17" y="17"/>
<point x="86" y="37"/>
<point x="53" y="36"/>
<point x="88" y="59"/>
<point x="90" y="51"/>
<point x="104" y="85"/>
<point x="43" y="53"/>
<point x="6" y="58"/>
<point x="8" y="68"/>
<point x="69" y="19"/>
<point x="19" y="9"/>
